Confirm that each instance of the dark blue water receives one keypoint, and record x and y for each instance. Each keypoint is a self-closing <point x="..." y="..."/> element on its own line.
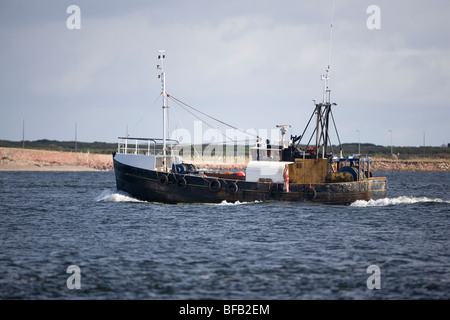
<point x="127" y="249"/>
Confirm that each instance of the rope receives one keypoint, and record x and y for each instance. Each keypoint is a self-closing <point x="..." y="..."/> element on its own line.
<point x="215" y="119"/>
<point x="335" y="128"/>
<point x="177" y="101"/>
<point x="151" y="106"/>
<point x="301" y="137"/>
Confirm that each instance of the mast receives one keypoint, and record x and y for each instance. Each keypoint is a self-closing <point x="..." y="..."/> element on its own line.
<point x="322" y="117"/>
<point x="162" y="76"/>
<point x="322" y="112"/>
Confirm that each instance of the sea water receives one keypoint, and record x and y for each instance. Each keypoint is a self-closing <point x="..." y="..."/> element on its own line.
<point x="53" y="222"/>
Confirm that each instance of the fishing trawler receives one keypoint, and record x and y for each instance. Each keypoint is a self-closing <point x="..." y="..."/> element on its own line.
<point x="153" y="170"/>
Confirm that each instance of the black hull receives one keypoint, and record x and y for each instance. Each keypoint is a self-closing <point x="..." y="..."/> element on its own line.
<point x="155" y="186"/>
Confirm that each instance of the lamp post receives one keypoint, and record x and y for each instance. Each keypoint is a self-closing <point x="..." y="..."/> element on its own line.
<point x="76" y="147"/>
<point x="391" y="142"/>
<point x="359" y="142"/>
<point x="23" y="133"/>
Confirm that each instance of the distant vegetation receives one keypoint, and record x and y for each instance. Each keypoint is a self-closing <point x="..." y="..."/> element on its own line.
<point x="53" y="145"/>
<point x="367" y="149"/>
<point x="372" y="150"/>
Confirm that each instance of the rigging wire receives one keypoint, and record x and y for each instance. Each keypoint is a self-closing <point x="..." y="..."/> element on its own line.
<point x="335" y="128"/>
<point x="145" y="114"/>
<point x="215" y="119"/>
<point x="314" y="131"/>
<point x="312" y="135"/>
<point x="178" y="119"/>
<point x="168" y="118"/>
<point x="184" y="145"/>
<point x="301" y="137"/>
<point x="180" y="103"/>
<point x="181" y="145"/>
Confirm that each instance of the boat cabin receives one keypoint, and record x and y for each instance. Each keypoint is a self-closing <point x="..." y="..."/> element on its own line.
<point x="276" y="164"/>
<point x="146" y="153"/>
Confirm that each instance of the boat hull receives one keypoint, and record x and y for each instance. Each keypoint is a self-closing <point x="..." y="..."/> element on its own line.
<point x="156" y="186"/>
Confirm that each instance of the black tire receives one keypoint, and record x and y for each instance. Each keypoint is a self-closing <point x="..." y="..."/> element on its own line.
<point x="310" y="193"/>
<point x="274" y="192"/>
<point x="163" y="179"/>
<point x="181" y="182"/>
<point x="232" y="187"/>
<point x="214" y="185"/>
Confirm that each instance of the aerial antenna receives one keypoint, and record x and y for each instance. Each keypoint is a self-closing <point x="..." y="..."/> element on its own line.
<point x="322" y="117"/>
<point x="331" y="33"/>
<point x="326" y="76"/>
<point x="323" y="109"/>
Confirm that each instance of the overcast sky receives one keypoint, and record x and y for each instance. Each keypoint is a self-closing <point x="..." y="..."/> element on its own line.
<point x="254" y="64"/>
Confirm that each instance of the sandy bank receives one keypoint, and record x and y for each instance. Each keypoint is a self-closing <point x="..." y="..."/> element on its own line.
<point x="410" y="165"/>
<point x="15" y="159"/>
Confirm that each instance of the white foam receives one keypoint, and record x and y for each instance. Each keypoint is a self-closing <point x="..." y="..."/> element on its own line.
<point x="111" y="196"/>
<point x="394" y="201"/>
<point x="225" y="203"/>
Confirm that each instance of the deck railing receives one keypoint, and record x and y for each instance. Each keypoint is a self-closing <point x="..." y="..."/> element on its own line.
<point x="145" y="146"/>
<point x="266" y="154"/>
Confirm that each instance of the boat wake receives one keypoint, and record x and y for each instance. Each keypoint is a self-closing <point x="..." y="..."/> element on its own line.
<point x="237" y="203"/>
<point x="115" y="196"/>
<point x="395" y="201"/>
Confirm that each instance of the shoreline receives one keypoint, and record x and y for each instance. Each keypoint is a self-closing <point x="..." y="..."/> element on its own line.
<point x="14" y="159"/>
<point x="26" y="166"/>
